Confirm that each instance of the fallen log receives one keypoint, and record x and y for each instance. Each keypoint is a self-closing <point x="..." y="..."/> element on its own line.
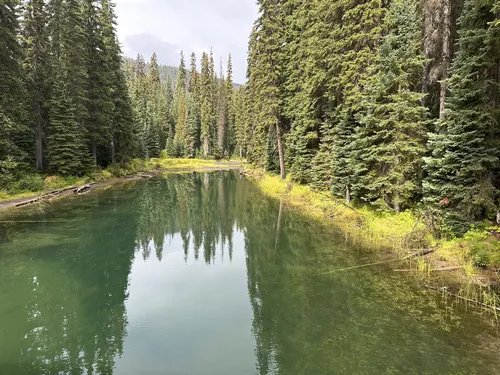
<point x="82" y="189"/>
<point x="431" y="270"/>
<point x="413" y="255"/>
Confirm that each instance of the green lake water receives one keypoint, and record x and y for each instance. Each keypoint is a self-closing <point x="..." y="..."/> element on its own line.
<point x="200" y="274"/>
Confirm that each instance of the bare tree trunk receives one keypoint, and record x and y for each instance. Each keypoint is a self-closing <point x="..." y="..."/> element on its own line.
<point x="94" y="152"/>
<point x="221" y="134"/>
<point x="206" y="147"/>
<point x="113" y="152"/>
<point x="280" y="151"/>
<point x="446" y="57"/>
<point x="39" y="148"/>
<point x="241" y="152"/>
<point x="348" y="195"/>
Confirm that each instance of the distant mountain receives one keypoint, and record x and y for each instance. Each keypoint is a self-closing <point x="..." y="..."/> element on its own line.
<point x="165" y="70"/>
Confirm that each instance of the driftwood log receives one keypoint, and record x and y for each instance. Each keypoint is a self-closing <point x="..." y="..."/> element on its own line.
<point x="56" y="193"/>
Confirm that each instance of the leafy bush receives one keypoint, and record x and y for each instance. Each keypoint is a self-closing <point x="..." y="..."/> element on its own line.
<point x="29" y="182"/>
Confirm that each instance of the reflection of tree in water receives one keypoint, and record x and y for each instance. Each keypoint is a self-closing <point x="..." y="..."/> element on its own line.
<point x="199" y="207"/>
<point x="72" y="291"/>
<point x="72" y="285"/>
<point x="357" y="322"/>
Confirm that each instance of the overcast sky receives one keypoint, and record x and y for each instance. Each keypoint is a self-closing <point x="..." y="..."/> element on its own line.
<point x="169" y="26"/>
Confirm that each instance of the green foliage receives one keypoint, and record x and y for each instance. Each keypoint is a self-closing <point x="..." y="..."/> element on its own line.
<point x="345" y="82"/>
<point x="463" y="163"/>
<point x="29" y="182"/>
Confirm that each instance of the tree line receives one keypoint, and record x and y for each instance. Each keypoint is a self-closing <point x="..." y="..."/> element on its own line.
<point x="71" y="103"/>
<point x="64" y="106"/>
<point x="191" y="117"/>
<point x="389" y="103"/>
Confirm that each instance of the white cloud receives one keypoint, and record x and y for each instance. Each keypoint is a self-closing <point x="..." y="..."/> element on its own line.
<point x="190" y="25"/>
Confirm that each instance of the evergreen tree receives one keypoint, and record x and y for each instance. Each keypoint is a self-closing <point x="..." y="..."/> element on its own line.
<point x="222" y="111"/>
<point x="66" y="153"/>
<point x="464" y="152"/>
<point x="181" y="107"/>
<point x="390" y="142"/>
<point x="124" y="137"/>
<point x="99" y="104"/>
<point x="193" y="122"/>
<point x="11" y="99"/>
<point x="206" y="104"/>
<point x="265" y="79"/>
<point x="36" y="74"/>
<point x="230" y="127"/>
<point x="356" y="44"/>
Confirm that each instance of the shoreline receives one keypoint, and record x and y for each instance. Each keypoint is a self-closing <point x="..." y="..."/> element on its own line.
<point x="71" y="190"/>
<point x="402" y="240"/>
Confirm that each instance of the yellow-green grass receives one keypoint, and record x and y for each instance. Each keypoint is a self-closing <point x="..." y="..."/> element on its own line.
<point x="373" y="230"/>
<point x="403" y="233"/>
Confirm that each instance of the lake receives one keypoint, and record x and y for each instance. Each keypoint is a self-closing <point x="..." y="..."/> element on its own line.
<point x="200" y="274"/>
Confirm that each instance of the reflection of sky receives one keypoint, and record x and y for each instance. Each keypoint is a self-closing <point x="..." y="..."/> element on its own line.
<point x="168" y="26"/>
<point x="188" y="318"/>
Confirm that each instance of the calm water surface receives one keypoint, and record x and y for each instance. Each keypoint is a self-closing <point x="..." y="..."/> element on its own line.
<point x="199" y="274"/>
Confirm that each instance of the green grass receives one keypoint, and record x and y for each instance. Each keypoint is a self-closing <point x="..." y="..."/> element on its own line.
<point x="402" y="233"/>
<point x="370" y="229"/>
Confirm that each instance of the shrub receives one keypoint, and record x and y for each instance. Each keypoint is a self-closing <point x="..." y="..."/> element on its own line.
<point x="29" y="182"/>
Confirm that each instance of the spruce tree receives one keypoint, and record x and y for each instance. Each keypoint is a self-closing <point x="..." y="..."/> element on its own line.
<point x="206" y="107"/>
<point x="222" y="116"/>
<point x="265" y="82"/>
<point x="356" y="43"/>
<point x="11" y="100"/>
<point x="66" y="152"/>
<point x="390" y="142"/>
<point x="123" y="135"/>
<point x="181" y="108"/>
<point x="36" y="74"/>
<point x="99" y="104"/>
<point x="230" y="127"/>
<point x="464" y="151"/>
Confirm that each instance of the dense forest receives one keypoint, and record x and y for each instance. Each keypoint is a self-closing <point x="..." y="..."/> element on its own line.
<point x="71" y="103"/>
<point x="394" y="104"/>
<point x="389" y="103"/>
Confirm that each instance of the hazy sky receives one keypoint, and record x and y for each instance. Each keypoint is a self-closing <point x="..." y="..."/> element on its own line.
<point x="169" y="26"/>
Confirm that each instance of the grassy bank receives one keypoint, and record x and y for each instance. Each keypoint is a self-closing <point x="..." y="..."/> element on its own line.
<point x="468" y="266"/>
<point x="34" y="184"/>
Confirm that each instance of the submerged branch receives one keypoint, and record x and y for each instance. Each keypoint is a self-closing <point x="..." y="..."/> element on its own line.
<point x="413" y="255"/>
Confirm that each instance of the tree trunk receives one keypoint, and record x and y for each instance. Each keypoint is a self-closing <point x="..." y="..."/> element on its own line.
<point x="39" y="148"/>
<point x="348" y="195"/>
<point x="445" y="57"/>
<point x="206" y="147"/>
<point x="280" y="151"/>
<point x="241" y="152"/>
<point x="94" y="152"/>
<point x="113" y="152"/>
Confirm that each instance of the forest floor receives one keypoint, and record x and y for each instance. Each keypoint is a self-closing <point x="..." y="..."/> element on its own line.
<point x="467" y="268"/>
<point x="57" y="186"/>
